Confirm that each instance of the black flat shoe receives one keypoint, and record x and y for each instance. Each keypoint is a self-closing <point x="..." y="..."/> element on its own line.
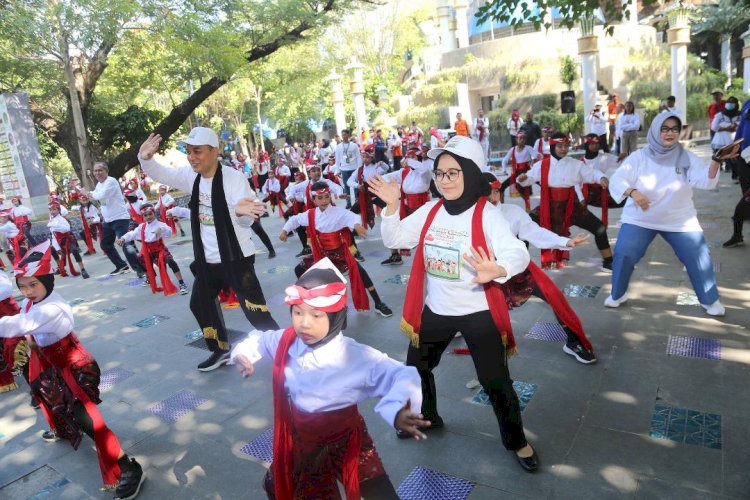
<point x="529" y="464"/>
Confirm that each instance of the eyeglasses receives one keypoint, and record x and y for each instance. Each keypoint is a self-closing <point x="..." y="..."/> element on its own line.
<point x="666" y="130"/>
<point x="450" y="175"/>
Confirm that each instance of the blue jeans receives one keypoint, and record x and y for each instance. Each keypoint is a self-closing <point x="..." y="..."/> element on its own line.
<point x="690" y="248"/>
<point x="345" y="174"/>
<point x="113" y="230"/>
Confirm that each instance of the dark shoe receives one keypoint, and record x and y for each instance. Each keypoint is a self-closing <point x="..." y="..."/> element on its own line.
<point x="84" y="274"/>
<point x="383" y="310"/>
<point x="34" y="403"/>
<point x="606" y="266"/>
<point x="214" y="361"/>
<point x="271" y="254"/>
<point x="120" y="270"/>
<point x="141" y="276"/>
<point x="529" y="464"/>
<point x="305" y="251"/>
<point x="393" y="260"/>
<point x="437" y="423"/>
<point x="131" y="479"/>
<point x="735" y="241"/>
<point x="87" y="253"/>
<point x="145" y="283"/>
<point x="579" y="352"/>
<point x="182" y="233"/>
<point x="358" y="257"/>
<point x="51" y="436"/>
<point x="183" y="290"/>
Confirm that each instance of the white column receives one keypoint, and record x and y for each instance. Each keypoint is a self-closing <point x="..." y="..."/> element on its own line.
<point x="462" y="23"/>
<point x="678" y="37"/>
<point x="746" y="62"/>
<point x="447" y="39"/>
<point x="632" y="8"/>
<point x="357" y="87"/>
<point x="588" y="49"/>
<point x="337" y="96"/>
<point x="726" y="57"/>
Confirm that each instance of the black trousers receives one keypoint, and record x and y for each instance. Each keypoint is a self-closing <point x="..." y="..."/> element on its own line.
<point x="742" y="210"/>
<point x="490" y="360"/>
<point x="246" y="286"/>
<point x="261" y="233"/>
<point x="587" y="221"/>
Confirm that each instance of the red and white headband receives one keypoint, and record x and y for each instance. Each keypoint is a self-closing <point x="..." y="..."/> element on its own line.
<point x="36" y="262"/>
<point x="559" y="140"/>
<point x="320" y="192"/>
<point x="330" y="297"/>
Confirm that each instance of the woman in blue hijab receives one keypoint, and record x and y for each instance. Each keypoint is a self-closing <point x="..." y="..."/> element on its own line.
<point x="658" y="183"/>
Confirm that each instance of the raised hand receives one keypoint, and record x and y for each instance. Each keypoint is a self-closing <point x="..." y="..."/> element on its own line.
<point x="388" y="191"/>
<point x="484" y="265"/>
<point x="149" y="146"/>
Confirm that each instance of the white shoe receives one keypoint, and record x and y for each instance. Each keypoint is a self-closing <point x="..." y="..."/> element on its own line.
<point x="610" y="302"/>
<point x="715" y="309"/>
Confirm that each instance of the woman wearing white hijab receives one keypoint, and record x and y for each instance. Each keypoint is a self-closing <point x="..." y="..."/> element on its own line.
<point x="659" y="181"/>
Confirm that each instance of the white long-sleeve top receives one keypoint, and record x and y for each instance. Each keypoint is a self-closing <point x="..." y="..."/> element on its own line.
<point x="6" y="287"/>
<point x="21" y="211"/>
<point x="110" y="197"/>
<point x="629" y="122"/>
<point x="526" y="229"/>
<point x="348" y="156"/>
<point x="545" y="146"/>
<point x="722" y="138"/>
<point x="58" y="224"/>
<point x="670" y="193"/>
<point x="10" y="230"/>
<point x="91" y="213"/>
<point x="448" y="238"/>
<point x="417" y="181"/>
<point x="369" y="171"/>
<point x="565" y="172"/>
<point x="604" y="163"/>
<point x="482" y="122"/>
<point x="597" y="122"/>
<point x="283" y="170"/>
<point x="525" y="154"/>
<point x="298" y="191"/>
<point x="514" y="126"/>
<point x="47" y="321"/>
<point x="271" y="185"/>
<point x="166" y="200"/>
<point x="337" y="374"/>
<point x="151" y="227"/>
<point x="235" y="189"/>
<point x="179" y="212"/>
<point x="326" y="221"/>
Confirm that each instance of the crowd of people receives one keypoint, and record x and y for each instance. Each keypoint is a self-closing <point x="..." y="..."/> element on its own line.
<point x="433" y="198"/>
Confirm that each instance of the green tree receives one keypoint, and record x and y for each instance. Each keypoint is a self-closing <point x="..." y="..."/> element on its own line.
<point x="568" y="71"/>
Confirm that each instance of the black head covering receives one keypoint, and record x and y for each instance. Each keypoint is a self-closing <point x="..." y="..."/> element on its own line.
<point x="336" y="320"/>
<point x="48" y="280"/>
<point x="475" y="185"/>
<point x="553" y="147"/>
<point x="589" y="155"/>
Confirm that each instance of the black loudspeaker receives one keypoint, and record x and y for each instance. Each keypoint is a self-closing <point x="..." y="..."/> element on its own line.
<point x="567" y="101"/>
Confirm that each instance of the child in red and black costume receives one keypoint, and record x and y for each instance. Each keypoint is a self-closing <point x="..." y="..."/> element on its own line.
<point x="521" y="157"/>
<point x="320" y="437"/>
<point x="358" y="180"/>
<point x="329" y="231"/>
<point x="21" y="216"/>
<point x="64" y="244"/>
<point x="91" y="222"/>
<point x="273" y="192"/>
<point x="64" y="376"/>
<point x="151" y="233"/>
<point x="13" y="351"/>
<point x="165" y="203"/>
<point x="16" y="238"/>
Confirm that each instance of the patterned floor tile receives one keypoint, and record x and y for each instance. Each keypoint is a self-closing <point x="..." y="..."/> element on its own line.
<point x="551" y="332"/>
<point x="113" y="376"/>
<point x="49" y="491"/>
<point x="76" y="302"/>
<point x="177" y="405"/>
<point x="399" y="279"/>
<point x="136" y="282"/>
<point x="583" y="291"/>
<point x="194" y="335"/>
<point x="233" y="335"/>
<point x="150" y="321"/>
<point x="693" y="347"/>
<point x="261" y="447"/>
<point x="524" y="390"/>
<point x="687" y="426"/>
<point x="278" y="270"/>
<point x="426" y="484"/>
<point x="687" y="299"/>
<point x="104" y="279"/>
<point x="380" y="254"/>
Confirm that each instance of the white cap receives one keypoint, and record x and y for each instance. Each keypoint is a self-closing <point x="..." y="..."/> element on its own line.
<point x="200" y="136"/>
<point x="462" y="146"/>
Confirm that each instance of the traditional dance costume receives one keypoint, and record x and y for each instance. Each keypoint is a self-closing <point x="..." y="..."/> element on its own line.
<point x="65" y="245"/>
<point x="13" y="351"/>
<point x="593" y="194"/>
<point x="21" y="216"/>
<point x="272" y="190"/>
<point x="365" y="200"/>
<point x="91" y="223"/>
<point x="165" y="203"/>
<point x="319" y="435"/>
<point x="154" y="251"/>
<point x="15" y="237"/>
<point x="520" y="158"/>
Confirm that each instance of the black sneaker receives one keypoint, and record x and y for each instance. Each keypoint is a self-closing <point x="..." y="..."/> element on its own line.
<point x="34" y="403"/>
<point x="383" y="310"/>
<point x="87" y="253"/>
<point x="359" y="257"/>
<point x="183" y="289"/>
<point x="214" y="361"/>
<point x="84" y="274"/>
<point x="735" y="241"/>
<point x="51" y="436"/>
<point x="437" y="423"/>
<point x="182" y="233"/>
<point x="271" y="254"/>
<point x="606" y="266"/>
<point x="579" y="352"/>
<point x="145" y="283"/>
<point x="131" y="479"/>
<point x="120" y="270"/>
<point x="305" y="251"/>
<point x="393" y="260"/>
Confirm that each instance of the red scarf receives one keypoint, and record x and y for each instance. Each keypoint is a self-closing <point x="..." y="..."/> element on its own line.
<point x="138" y="218"/>
<point x="365" y="199"/>
<point x="359" y="291"/>
<point x="402" y="209"/>
<point x="545" y="218"/>
<point x="16" y="242"/>
<point x="163" y="215"/>
<point x="414" y="302"/>
<point x="156" y="246"/>
<point x="87" y="231"/>
<point x="65" y="240"/>
<point x="8" y="307"/>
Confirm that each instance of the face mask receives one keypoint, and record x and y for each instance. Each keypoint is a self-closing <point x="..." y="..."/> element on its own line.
<point x="729" y="106"/>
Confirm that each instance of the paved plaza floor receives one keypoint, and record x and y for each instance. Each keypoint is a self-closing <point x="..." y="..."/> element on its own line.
<point x="665" y="413"/>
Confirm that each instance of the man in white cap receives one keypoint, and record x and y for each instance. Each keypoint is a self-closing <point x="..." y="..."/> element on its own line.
<point x="222" y="241"/>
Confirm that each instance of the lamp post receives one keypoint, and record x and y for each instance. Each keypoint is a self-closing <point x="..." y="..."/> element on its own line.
<point x="588" y="48"/>
<point x="678" y="38"/>
<point x="357" y="87"/>
<point x="337" y="96"/>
